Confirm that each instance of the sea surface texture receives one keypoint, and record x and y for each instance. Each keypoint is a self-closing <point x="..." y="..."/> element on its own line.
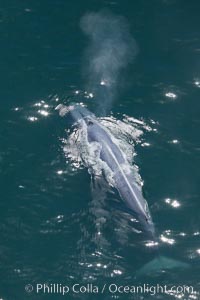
<point x="62" y="223"/>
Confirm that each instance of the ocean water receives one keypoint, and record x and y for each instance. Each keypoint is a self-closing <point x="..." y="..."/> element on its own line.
<point x="55" y="227"/>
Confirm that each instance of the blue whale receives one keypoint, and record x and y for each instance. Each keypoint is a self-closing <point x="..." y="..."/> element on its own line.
<point x="112" y="155"/>
<point x="124" y="182"/>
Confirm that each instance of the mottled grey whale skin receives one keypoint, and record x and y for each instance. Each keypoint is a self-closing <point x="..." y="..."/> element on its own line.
<point x="112" y="155"/>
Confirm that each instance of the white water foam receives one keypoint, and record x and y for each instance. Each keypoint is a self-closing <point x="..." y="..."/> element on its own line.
<point x="125" y="134"/>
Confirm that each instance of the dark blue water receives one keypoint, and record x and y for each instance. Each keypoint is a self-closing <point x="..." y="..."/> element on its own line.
<point x="49" y="230"/>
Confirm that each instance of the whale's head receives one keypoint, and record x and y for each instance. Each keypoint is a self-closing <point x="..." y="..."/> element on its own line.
<point x="76" y="111"/>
